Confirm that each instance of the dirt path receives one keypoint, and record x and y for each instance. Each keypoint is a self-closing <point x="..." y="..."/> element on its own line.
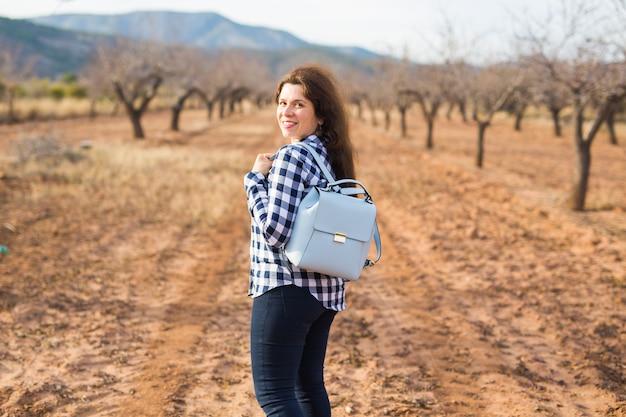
<point x="507" y="302"/>
<point x="199" y="355"/>
<point x="486" y="303"/>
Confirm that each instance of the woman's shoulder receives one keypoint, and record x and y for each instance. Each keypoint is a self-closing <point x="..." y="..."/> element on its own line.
<point x="298" y="151"/>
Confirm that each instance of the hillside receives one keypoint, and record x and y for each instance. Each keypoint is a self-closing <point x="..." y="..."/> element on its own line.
<point x="53" y="51"/>
<point x="204" y="30"/>
<point x="63" y="43"/>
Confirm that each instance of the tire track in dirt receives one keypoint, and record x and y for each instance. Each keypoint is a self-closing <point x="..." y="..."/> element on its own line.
<point x="192" y="325"/>
<point x="482" y="343"/>
<point x="525" y="294"/>
<point x="381" y="344"/>
<point x="484" y="304"/>
<point x="198" y="361"/>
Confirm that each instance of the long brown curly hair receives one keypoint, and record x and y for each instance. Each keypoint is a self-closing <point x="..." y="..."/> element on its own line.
<point x="321" y="87"/>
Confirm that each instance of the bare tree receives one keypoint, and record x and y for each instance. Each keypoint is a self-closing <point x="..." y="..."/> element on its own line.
<point x="235" y="76"/>
<point x="380" y="96"/>
<point x="355" y="85"/>
<point x="584" y="50"/>
<point x="610" y="122"/>
<point x="431" y="82"/>
<point x="490" y="89"/>
<point x="189" y="65"/>
<point x="454" y="51"/>
<point x="552" y="94"/>
<point x="457" y="94"/>
<point x="456" y="98"/>
<point x="13" y="72"/>
<point x="517" y="104"/>
<point x="403" y="78"/>
<point x="135" y="70"/>
<point x="97" y="82"/>
<point x="357" y="99"/>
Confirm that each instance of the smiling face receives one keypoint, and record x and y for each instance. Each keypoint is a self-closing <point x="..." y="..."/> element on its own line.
<point x="295" y="113"/>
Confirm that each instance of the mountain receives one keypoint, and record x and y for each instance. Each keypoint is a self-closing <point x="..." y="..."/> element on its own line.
<point x="64" y="43"/>
<point x="51" y="51"/>
<point x="205" y="30"/>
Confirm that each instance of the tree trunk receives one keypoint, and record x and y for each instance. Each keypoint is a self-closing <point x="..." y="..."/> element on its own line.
<point x="480" y="152"/>
<point x="92" y="108"/>
<point x="610" y="125"/>
<point x="449" y="111"/>
<point x="557" y="121"/>
<point x="176" y="110"/>
<point x="359" y="110"/>
<point x="129" y="103"/>
<point x="208" y="103"/>
<point x="373" y="116"/>
<point x="179" y="106"/>
<point x="581" y="181"/>
<point x="583" y="159"/>
<point x="209" y="108"/>
<point x="372" y="112"/>
<point x="222" y="109"/>
<point x="429" y="116"/>
<point x="387" y="120"/>
<point x="403" y="121"/>
<point x="11" y="110"/>
<point x="135" y="119"/>
<point x="430" y="123"/>
<point x="583" y="147"/>
<point x="518" y="121"/>
<point x="462" y="109"/>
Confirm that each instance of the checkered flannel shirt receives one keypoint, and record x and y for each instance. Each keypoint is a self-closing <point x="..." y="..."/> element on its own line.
<point x="272" y="203"/>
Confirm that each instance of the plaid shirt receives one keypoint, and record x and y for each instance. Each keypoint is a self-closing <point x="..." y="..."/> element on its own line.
<point x="272" y="203"/>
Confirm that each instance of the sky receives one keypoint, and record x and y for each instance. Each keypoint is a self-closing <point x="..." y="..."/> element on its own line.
<point x="394" y="27"/>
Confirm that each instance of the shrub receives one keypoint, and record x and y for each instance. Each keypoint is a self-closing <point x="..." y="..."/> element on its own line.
<point x="44" y="147"/>
<point x="36" y="147"/>
<point x="57" y="92"/>
<point x="76" y="91"/>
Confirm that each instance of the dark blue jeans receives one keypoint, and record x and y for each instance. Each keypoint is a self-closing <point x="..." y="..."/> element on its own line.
<point x="288" y="339"/>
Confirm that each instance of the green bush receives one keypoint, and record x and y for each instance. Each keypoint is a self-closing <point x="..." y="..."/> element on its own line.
<point x="60" y="91"/>
<point x="68" y="78"/>
<point x="76" y="90"/>
<point x="57" y="92"/>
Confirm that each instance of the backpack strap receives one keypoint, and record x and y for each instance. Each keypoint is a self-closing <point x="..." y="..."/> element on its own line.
<point x="336" y="187"/>
<point x="320" y="162"/>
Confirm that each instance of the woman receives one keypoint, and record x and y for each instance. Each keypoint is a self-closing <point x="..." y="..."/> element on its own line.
<point x="293" y="309"/>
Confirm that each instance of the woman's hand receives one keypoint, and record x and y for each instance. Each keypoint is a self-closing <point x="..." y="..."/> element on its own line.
<point x="263" y="163"/>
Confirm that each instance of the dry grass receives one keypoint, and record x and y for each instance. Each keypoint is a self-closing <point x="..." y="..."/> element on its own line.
<point x="130" y="181"/>
<point x="47" y="108"/>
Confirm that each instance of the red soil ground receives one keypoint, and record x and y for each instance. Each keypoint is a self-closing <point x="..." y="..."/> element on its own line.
<point x="492" y="298"/>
